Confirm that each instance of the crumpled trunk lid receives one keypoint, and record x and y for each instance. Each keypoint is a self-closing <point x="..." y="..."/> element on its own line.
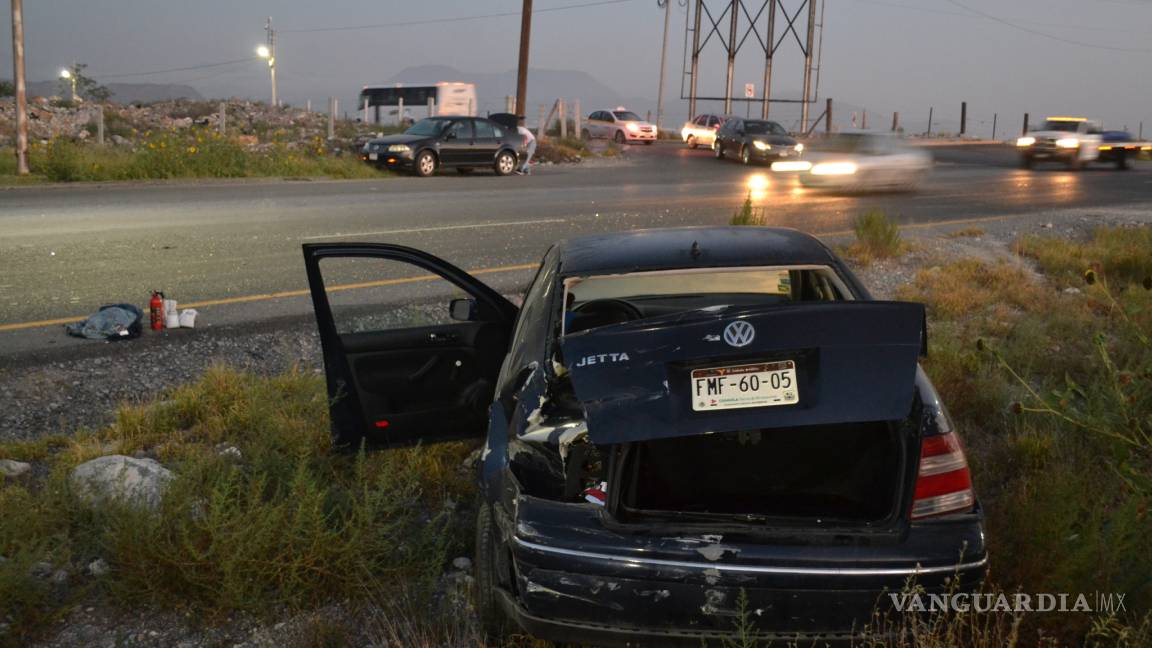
<point x="854" y="362"/>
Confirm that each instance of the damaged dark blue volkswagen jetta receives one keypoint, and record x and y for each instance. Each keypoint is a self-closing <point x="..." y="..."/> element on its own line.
<point x="675" y="419"/>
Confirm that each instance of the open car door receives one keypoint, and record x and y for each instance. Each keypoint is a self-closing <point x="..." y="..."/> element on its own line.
<point x="408" y="356"/>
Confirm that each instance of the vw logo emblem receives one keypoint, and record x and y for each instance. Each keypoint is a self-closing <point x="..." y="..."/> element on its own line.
<point x="739" y="333"/>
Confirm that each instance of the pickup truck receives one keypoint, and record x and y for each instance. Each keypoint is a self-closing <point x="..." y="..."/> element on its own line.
<point x="1077" y="141"/>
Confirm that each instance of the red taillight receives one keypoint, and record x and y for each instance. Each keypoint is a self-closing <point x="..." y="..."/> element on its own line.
<point x="944" y="484"/>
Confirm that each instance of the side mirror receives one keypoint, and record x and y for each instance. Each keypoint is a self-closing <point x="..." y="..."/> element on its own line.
<point x="462" y="310"/>
<point x="450" y="135"/>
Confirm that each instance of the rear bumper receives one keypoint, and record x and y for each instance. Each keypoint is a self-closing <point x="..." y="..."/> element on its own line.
<point x="581" y="582"/>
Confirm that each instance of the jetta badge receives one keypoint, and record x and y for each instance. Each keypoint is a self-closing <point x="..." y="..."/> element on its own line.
<point x="739" y="333"/>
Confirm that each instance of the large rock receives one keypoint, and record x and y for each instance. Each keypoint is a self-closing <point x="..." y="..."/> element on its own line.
<point x="138" y="482"/>
<point x="10" y="468"/>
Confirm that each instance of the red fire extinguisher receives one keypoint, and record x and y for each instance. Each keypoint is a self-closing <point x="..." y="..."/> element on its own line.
<point x="156" y="310"/>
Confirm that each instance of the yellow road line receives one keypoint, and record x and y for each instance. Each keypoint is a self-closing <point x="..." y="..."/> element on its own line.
<point x="281" y="294"/>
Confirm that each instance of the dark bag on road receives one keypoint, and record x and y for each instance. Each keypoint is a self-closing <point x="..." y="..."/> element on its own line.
<point x="112" y="322"/>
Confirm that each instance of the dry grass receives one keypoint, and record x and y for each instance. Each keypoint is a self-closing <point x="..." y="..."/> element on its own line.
<point x="287" y="524"/>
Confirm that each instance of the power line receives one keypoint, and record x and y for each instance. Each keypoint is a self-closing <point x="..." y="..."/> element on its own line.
<point x="945" y="12"/>
<point x="202" y="66"/>
<point x="433" y="21"/>
<point x="1037" y="32"/>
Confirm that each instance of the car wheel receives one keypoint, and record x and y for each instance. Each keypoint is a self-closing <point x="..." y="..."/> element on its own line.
<point x="745" y="155"/>
<point x="425" y="164"/>
<point x="463" y="170"/>
<point x="505" y="163"/>
<point x="1025" y="161"/>
<point x="585" y="135"/>
<point x="619" y="137"/>
<point x="691" y="141"/>
<point x="718" y="149"/>
<point x="649" y="142"/>
<point x="1122" y="162"/>
<point x="1076" y="164"/>
<point x="492" y="620"/>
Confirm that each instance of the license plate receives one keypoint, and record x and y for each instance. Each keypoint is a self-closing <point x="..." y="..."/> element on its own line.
<point x="753" y="385"/>
<point x="373" y="156"/>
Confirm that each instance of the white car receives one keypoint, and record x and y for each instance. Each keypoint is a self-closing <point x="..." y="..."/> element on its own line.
<point x="619" y="125"/>
<point x="862" y="161"/>
<point x="701" y="131"/>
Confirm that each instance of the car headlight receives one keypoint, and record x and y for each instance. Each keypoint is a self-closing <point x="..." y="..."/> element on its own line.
<point x="1025" y="141"/>
<point x="834" y="168"/>
<point x="632" y="128"/>
<point x="799" y="148"/>
<point x="762" y="146"/>
<point x="398" y="148"/>
<point x="1068" y="142"/>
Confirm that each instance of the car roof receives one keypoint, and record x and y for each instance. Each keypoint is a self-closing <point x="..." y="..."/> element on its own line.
<point x="670" y="248"/>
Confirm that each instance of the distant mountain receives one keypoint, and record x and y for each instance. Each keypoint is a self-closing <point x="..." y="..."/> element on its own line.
<point x="124" y="92"/>
<point x="544" y="87"/>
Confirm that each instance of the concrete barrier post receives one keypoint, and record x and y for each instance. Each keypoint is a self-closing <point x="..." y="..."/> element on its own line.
<point x="222" y="122"/>
<point x="100" y="125"/>
<point x="577" y="126"/>
<point x="563" y="119"/>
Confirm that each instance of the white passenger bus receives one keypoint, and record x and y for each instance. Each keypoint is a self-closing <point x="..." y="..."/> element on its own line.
<point x="448" y="98"/>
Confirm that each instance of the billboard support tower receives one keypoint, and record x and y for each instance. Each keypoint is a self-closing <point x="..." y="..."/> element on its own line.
<point x="730" y="23"/>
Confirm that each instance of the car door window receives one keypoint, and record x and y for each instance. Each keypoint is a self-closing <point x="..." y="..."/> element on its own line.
<point x="401" y="368"/>
<point x="484" y="129"/>
<point x="713" y="122"/>
<point x="461" y="130"/>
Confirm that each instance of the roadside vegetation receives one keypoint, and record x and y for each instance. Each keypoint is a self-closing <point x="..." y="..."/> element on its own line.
<point x="261" y="517"/>
<point x="189" y="153"/>
<point x="1045" y="361"/>
<point x="1049" y="378"/>
<point x="877" y="237"/>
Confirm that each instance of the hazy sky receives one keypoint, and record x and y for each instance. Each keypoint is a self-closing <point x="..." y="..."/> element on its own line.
<point x="882" y="55"/>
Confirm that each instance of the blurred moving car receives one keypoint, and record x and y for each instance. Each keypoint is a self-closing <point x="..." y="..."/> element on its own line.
<point x="864" y="160"/>
<point x="619" y="125"/>
<point x="755" y="140"/>
<point x="463" y="143"/>
<point x="701" y="131"/>
<point x="1077" y="141"/>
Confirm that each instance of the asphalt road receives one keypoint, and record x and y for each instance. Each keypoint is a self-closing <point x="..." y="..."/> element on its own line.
<point x="228" y="246"/>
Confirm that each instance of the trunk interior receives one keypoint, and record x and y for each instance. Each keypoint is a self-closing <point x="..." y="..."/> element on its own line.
<point x="849" y="473"/>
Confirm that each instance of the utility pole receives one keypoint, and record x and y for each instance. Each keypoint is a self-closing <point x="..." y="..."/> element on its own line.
<point x="269" y="52"/>
<point x="667" y="4"/>
<point x="522" y="68"/>
<point x="21" y="92"/>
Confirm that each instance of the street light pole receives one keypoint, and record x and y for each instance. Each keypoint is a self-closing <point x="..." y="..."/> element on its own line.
<point x="69" y="75"/>
<point x="268" y="51"/>
<point x="663" y="58"/>
<point x="18" y="80"/>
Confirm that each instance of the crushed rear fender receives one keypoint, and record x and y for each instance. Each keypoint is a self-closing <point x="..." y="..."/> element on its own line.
<point x="855" y="361"/>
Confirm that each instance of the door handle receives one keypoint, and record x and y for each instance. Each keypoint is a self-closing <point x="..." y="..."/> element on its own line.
<point x="442" y="337"/>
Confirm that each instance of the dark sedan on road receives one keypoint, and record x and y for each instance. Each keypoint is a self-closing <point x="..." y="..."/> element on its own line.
<point x="463" y="143"/>
<point x="680" y="424"/>
<point x="755" y="140"/>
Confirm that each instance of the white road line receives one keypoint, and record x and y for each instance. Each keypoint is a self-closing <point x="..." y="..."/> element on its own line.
<point x="436" y="229"/>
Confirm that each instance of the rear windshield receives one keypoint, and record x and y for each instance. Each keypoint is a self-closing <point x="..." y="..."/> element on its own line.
<point x="626" y="115"/>
<point x="427" y="127"/>
<point x="601" y="300"/>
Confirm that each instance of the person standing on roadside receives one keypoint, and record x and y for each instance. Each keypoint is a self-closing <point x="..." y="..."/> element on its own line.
<point x="530" y="145"/>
